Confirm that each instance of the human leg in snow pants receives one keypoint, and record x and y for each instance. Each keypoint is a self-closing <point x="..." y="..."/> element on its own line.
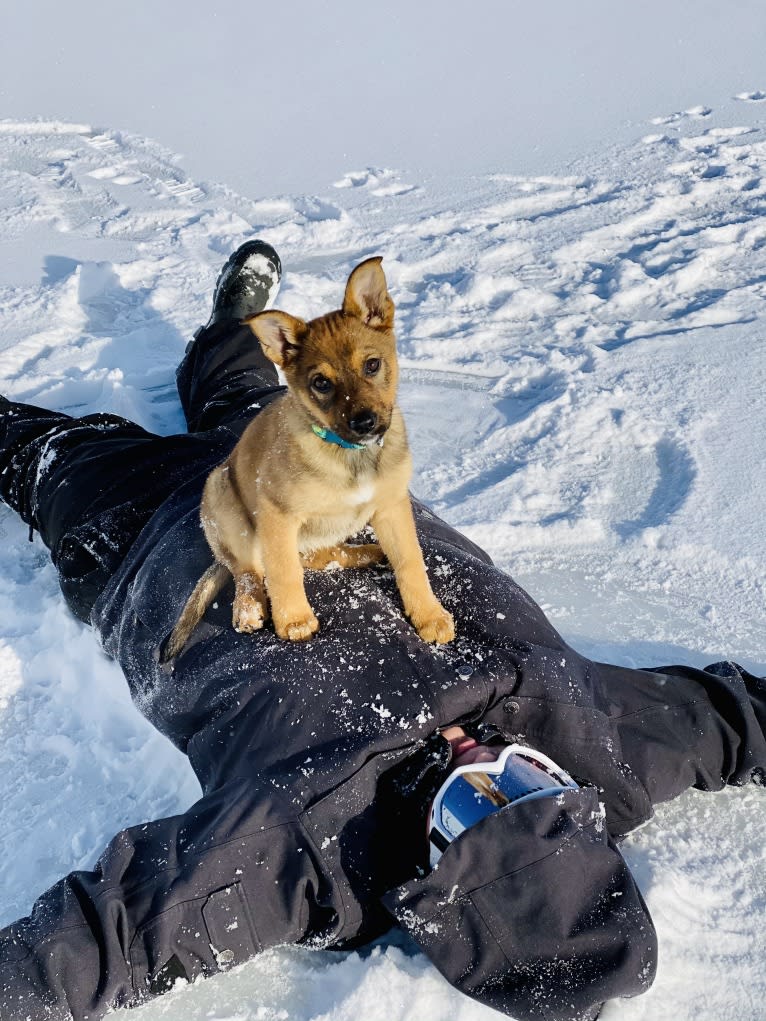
<point x="89" y="485"/>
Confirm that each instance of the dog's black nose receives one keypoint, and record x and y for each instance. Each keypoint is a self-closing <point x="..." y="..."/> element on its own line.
<point x="363" y="422"/>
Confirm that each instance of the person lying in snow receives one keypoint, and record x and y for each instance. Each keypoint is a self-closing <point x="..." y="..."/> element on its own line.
<point x="319" y="761"/>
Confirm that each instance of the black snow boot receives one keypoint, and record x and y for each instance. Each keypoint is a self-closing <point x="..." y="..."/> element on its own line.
<point x="248" y="282"/>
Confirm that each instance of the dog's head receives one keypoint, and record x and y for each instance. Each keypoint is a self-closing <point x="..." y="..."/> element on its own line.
<point x="342" y="366"/>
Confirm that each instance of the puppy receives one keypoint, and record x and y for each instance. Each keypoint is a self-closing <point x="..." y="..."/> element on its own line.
<point x="312" y="469"/>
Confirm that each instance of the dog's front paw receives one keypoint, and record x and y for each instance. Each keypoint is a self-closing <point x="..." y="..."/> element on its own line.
<point x="437" y="628"/>
<point x="297" y="628"/>
<point x="248" y="616"/>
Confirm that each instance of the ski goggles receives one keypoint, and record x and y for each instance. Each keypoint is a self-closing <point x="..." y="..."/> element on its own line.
<point x="471" y="793"/>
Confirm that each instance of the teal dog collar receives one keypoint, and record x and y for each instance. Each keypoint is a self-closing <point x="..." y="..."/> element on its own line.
<point x="330" y="437"/>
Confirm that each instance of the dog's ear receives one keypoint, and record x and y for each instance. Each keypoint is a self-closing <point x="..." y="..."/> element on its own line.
<point x="367" y="295"/>
<point x="279" y="334"/>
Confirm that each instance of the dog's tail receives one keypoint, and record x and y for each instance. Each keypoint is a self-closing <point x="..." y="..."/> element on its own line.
<point x="205" y="591"/>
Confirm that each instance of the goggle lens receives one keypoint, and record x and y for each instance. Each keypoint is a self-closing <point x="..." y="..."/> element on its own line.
<point x="475" y="791"/>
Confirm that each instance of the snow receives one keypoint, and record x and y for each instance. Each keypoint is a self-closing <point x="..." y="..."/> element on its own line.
<point x="583" y="373"/>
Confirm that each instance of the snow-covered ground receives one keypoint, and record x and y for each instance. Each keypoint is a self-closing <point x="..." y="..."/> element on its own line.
<point x="287" y="96"/>
<point x="583" y="379"/>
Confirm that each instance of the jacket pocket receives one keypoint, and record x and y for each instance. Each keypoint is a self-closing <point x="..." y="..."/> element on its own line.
<point x="230" y="929"/>
<point x="196" y="937"/>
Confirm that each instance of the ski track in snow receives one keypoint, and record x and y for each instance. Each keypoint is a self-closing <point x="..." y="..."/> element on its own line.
<point x="583" y="376"/>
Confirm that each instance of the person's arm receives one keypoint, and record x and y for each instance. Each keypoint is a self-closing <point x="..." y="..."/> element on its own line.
<point x="533" y="912"/>
<point x="183" y="896"/>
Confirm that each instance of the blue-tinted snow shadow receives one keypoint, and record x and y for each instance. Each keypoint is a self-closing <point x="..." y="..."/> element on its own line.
<point x="677" y="472"/>
<point x="133" y="372"/>
<point x="640" y="654"/>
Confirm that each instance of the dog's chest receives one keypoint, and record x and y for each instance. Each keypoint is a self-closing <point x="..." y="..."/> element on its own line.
<point x="362" y="492"/>
<point x="340" y="514"/>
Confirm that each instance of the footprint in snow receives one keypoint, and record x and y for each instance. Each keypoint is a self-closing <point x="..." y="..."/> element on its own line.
<point x="378" y="180"/>
<point x="315" y="209"/>
<point x="693" y="113"/>
<point x="114" y="175"/>
<point x="655" y="138"/>
<point x="751" y="97"/>
<point x="676" y="471"/>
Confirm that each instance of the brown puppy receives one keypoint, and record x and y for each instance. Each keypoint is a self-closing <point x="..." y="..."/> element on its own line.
<point x="290" y="494"/>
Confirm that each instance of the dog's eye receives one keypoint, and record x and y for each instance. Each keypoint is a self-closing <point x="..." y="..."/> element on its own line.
<point x="371" y="366"/>
<point x="321" y="384"/>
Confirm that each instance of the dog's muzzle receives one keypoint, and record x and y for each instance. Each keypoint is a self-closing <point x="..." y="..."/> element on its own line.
<point x="363" y="423"/>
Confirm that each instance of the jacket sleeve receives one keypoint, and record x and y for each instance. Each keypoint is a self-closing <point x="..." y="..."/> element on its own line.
<point x="533" y="912"/>
<point x="181" y="897"/>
